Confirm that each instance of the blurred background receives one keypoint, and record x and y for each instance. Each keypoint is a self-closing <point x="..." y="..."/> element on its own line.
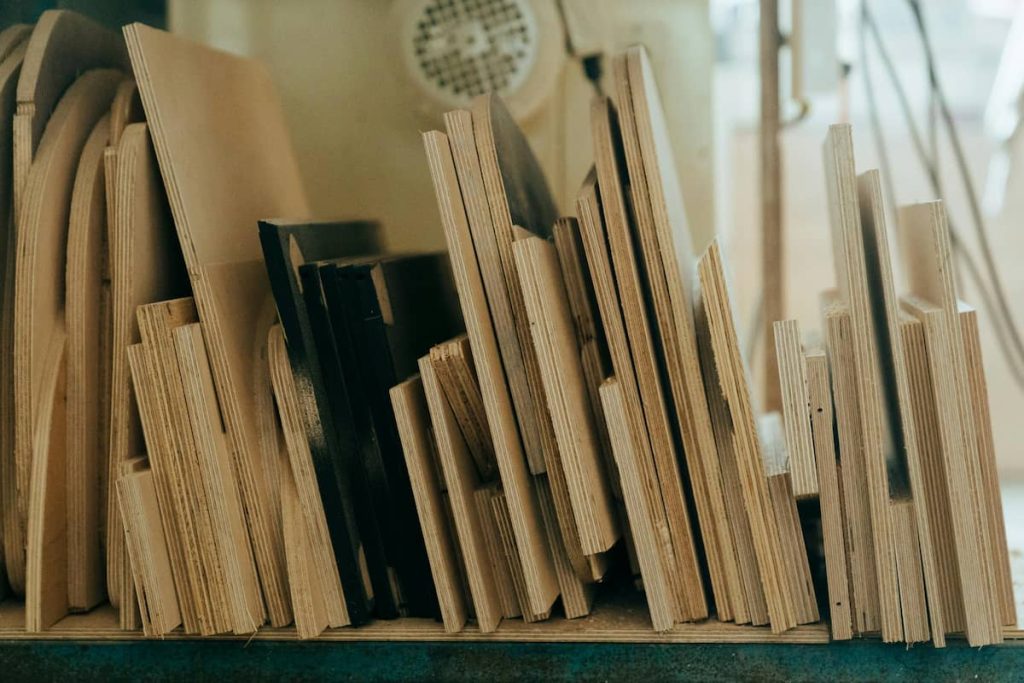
<point x="361" y="78"/>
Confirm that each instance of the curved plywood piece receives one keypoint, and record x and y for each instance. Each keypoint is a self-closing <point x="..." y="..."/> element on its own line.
<point x="146" y="266"/>
<point x="124" y="110"/>
<point x="41" y="241"/>
<point x="63" y="45"/>
<point x="10" y="69"/>
<point x="86" y="577"/>
<point x="46" y="589"/>
<point x="12" y="37"/>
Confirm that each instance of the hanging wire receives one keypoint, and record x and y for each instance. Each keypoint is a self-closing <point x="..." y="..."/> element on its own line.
<point x="1004" y="325"/>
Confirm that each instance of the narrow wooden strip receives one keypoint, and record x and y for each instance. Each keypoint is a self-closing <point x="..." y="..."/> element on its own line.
<point x="793" y="386"/>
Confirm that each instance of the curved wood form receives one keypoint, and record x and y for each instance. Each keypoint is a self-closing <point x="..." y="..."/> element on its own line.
<point x="10" y="69"/>
<point x="39" y="283"/>
<point x="13" y="37"/>
<point x="63" y="45"/>
<point x="125" y="109"/>
<point x="86" y="576"/>
<point x="146" y="266"/>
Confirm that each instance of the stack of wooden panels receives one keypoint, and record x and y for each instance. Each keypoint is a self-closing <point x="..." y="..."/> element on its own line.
<point x="222" y="422"/>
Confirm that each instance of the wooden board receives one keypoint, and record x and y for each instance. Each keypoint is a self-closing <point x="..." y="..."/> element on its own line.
<point x="492" y="241"/>
<point x="930" y="441"/>
<point x="819" y="393"/>
<point x="685" y="578"/>
<point x="853" y="477"/>
<point x="413" y="419"/>
<point x="62" y="46"/>
<point x="286" y="246"/>
<point x="590" y="338"/>
<point x="10" y="70"/>
<point x="669" y="266"/>
<point x="11" y="38"/>
<point x="511" y="591"/>
<point x="896" y="389"/>
<point x="453" y="365"/>
<point x="913" y="603"/>
<point x="303" y="478"/>
<point x="793" y="387"/>
<point x="928" y="261"/>
<point x="461" y="481"/>
<point x="147" y="548"/>
<point x="852" y="281"/>
<point x="732" y="374"/>
<point x="87" y="225"/>
<point x="575" y="587"/>
<point x="126" y="108"/>
<point x="566" y="396"/>
<point x="506" y="537"/>
<point x="538" y="568"/>
<point x="648" y="548"/>
<point x="230" y="537"/>
<point x="171" y="447"/>
<point x="145" y="266"/>
<point x="986" y="454"/>
<point x="226" y="162"/>
<point x="41" y="244"/>
<point x="748" y="604"/>
<point x="46" y="558"/>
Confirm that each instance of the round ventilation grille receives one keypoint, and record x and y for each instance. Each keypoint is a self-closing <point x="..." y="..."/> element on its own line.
<point x="458" y="49"/>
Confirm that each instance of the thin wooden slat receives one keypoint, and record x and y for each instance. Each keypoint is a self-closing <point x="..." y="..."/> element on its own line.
<point x="506" y="536"/>
<point x="793" y="387"/>
<point x="819" y="392"/>
<point x="509" y="585"/>
<point x="413" y="420"/>
<point x="913" y="604"/>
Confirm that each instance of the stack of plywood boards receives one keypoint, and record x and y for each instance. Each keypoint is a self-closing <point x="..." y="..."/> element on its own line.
<point x="221" y="415"/>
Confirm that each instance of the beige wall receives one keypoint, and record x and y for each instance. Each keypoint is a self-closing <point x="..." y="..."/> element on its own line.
<point x="356" y="120"/>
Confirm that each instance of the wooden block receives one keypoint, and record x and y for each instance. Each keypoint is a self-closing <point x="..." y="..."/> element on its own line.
<point x="230" y="536"/>
<point x="669" y="264"/>
<point x="686" y="581"/>
<point x="538" y="568"/>
<point x="453" y="365"/>
<point x="145" y="266"/>
<point x="10" y="70"/>
<point x="645" y="536"/>
<point x="41" y="251"/>
<point x="819" y="393"/>
<point x="986" y="453"/>
<point x="147" y="548"/>
<point x="590" y="338"/>
<point x="315" y="528"/>
<point x="896" y="385"/>
<point x="287" y="244"/>
<point x="413" y="419"/>
<point x="748" y="603"/>
<point x="793" y="387"/>
<point x="62" y="46"/>
<point x="177" y="496"/>
<point x="86" y="228"/>
<point x="782" y="604"/>
<point x="492" y="238"/>
<point x="565" y="390"/>
<point x="796" y="569"/>
<point x="510" y="590"/>
<point x="913" y="604"/>
<point x="852" y="280"/>
<point x="930" y="443"/>
<point x="461" y="481"/>
<point x="927" y="253"/>
<point x="46" y="559"/>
